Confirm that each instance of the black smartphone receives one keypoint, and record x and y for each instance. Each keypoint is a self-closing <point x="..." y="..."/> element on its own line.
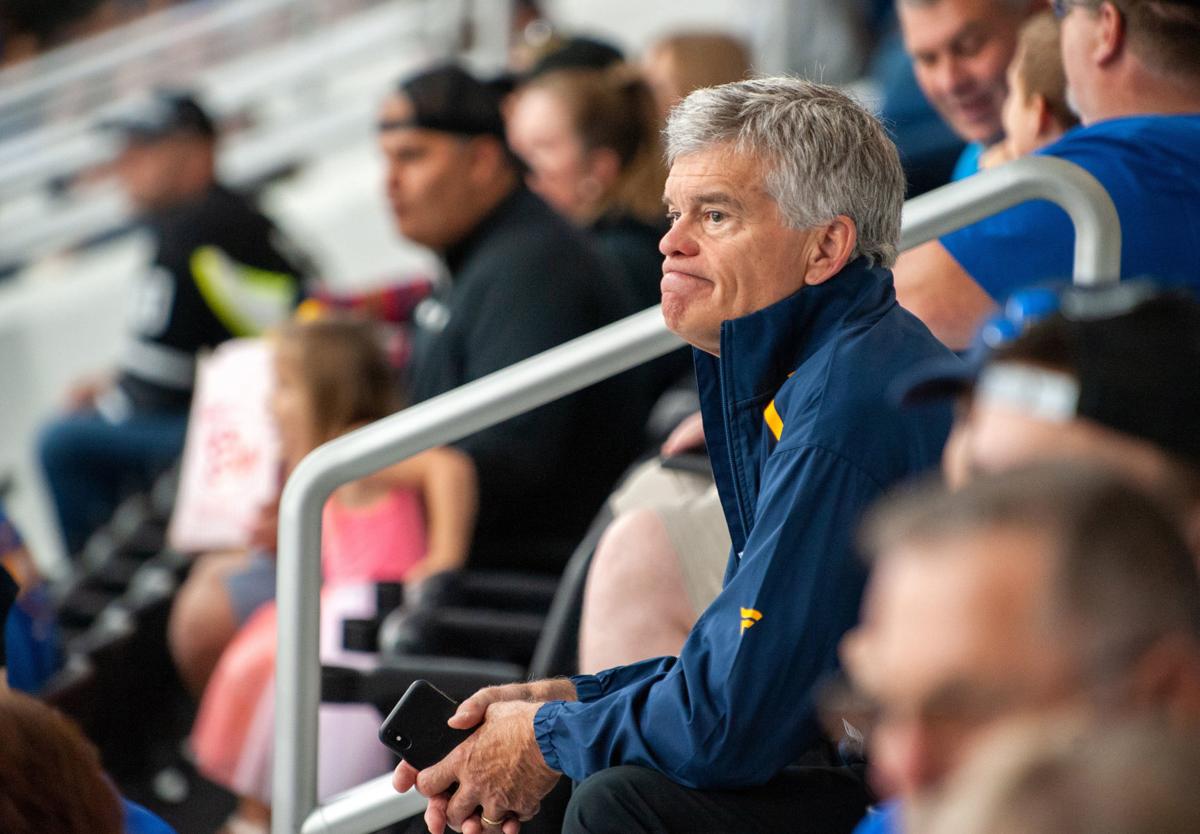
<point x="416" y="730"/>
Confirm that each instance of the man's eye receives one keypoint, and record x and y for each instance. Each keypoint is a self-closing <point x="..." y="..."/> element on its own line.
<point x="714" y="216"/>
<point x="969" y="46"/>
<point x="672" y="216"/>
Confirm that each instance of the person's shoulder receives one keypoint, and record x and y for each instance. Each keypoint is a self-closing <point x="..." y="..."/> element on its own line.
<point x="1137" y="138"/>
<point x="216" y="213"/>
<point x="534" y="246"/>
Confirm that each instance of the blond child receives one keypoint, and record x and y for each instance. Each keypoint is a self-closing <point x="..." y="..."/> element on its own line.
<point x="1036" y="111"/>
<point x="404" y="523"/>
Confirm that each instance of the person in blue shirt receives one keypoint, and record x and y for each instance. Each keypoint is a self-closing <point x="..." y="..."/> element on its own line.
<point x="784" y="200"/>
<point x="1133" y="76"/>
<point x="1112" y="379"/>
<point x="960" y="52"/>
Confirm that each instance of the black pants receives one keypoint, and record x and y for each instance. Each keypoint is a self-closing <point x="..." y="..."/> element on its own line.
<point x="800" y="800"/>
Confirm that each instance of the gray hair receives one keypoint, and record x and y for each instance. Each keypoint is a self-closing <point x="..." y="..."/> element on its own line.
<point x="824" y="154"/>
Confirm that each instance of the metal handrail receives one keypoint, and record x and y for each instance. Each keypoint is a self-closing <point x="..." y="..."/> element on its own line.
<point x="534" y="382"/>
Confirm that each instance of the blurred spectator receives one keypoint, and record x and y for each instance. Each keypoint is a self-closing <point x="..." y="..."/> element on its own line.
<point x="576" y="53"/>
<point x="960" y="51"/>
<point x="523" y="281"/>
<point x="788" y="304"/>
<point x="1057" y="586"/>
<point x="331" y="378"/>
<point x="591" y="142"/>
<point x="1036" y="111"/>
<point x="677" y="64"/>
<point x="218" y="272"/>
<point x="1132" y="68"/>
<point x="31" y="641"/>
<point x="1112" y="378"/>
<point x="50" y="776"/>
<point x="533" y="35"/>
<point x="1051" y="777"/>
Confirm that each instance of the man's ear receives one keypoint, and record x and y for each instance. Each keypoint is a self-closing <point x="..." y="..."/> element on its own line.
<point x="1167" y="679"/>
<point x="1110" y="37"/>
<point x="485" y="156"/>
<point x="831" y="249"/>
<point x="1045" y="121"/>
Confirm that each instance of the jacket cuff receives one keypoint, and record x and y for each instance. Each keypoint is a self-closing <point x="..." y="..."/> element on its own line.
<point x="543" y="730"/>
<point x="587" y="688"/>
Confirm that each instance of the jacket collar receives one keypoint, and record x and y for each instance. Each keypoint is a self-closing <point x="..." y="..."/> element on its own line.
<point x="767" y="345"/>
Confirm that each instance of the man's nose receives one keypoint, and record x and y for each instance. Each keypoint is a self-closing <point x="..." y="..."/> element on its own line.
<point x="678" y="241"/>
<point x="954" y="78"/>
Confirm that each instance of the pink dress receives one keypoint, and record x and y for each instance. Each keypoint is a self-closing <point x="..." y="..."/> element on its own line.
<point x="234" y="730"/>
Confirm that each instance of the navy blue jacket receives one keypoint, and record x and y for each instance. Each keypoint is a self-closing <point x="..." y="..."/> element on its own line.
<point x="802" y="437"/>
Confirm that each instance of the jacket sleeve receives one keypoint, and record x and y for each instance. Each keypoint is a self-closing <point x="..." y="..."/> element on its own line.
<point x="591" y="687"/>
<point x="737" y="706"/>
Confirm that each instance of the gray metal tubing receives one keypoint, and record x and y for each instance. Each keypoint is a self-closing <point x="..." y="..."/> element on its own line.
<point x="1097" y="228"/>
<point x="536" y="381"/>
<point x="369" y="807"/>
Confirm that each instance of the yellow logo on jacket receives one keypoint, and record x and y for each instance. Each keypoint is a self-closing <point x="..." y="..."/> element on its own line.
<point x="750" y="617"/>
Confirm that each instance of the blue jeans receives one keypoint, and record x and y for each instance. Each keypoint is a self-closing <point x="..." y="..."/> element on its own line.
<point x="91" y="464"/>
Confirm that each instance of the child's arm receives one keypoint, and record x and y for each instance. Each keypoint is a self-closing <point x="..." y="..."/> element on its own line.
<point x="448" y="485"/>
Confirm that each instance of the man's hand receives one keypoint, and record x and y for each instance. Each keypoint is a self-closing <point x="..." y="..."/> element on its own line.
<point x="470" y="713"/>
<point x="82" y="395"/>
<point x="500" y="773"/>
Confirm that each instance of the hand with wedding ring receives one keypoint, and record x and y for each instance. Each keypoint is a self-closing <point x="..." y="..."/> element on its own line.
<point x="500" y="771"/>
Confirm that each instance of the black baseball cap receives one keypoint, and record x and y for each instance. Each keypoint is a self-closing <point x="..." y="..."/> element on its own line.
<point x="577" y="53"/>
<point x="160" y="114"/>
<point x="447" y="98"/>
<point x="1126" y="359"/>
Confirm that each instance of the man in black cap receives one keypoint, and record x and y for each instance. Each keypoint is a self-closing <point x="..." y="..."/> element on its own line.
<point x="218" y="271"/>
<point x="522" y="280"/>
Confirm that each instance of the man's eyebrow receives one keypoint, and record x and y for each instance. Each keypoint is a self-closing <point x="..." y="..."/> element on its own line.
<point x="719" y="198"/>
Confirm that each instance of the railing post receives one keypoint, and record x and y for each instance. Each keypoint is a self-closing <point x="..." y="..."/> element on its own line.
<point x="1097" y="227"/>
<point x="538" y="380"/>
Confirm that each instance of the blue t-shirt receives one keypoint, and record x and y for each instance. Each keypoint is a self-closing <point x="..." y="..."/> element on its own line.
<point x="968" y="161"/>
<point x="1150" y="166"/>
<point x="882" y="819"/>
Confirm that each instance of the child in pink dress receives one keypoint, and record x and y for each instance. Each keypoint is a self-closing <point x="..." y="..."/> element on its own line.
<point x="401" y="524"/>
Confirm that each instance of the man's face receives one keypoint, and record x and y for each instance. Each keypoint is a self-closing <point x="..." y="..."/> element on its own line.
<point x="992" y="436"/>
<point x="428" y="179"/>
<point x="729" y="251"/>
<point x="961" y="50"/>
<point x="953" y="641"/>
<point x="147" y="169"/>
<point x="540" y="132"/>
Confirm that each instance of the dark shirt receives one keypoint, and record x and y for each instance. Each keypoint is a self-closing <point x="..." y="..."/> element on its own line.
<point x="219" y="271"/>
<point x="524" y="281"/>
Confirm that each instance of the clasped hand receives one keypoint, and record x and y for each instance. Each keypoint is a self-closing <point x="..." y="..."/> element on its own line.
<point x="499" y="770"/>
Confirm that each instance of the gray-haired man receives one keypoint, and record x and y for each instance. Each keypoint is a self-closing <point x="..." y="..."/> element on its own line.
<point x="784" y="199"/>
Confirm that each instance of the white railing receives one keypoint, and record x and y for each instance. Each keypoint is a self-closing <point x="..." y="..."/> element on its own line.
<point x="525" y="386"/>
